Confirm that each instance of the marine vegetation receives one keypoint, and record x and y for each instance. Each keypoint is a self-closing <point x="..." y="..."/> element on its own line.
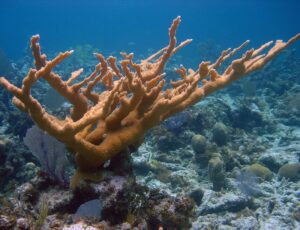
<point x="102" y="124"/>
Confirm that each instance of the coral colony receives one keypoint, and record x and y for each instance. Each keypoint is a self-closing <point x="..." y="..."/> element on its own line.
<point x="102" y="124"/>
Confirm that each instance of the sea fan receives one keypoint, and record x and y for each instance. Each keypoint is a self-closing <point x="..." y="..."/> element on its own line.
<point x="50" y="153"/>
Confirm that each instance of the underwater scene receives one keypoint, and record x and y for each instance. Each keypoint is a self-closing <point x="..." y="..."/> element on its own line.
<point x="159" y="115"/>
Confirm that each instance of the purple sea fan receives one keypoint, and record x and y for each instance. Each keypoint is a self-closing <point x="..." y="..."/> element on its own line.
<point x="50" y="153"/>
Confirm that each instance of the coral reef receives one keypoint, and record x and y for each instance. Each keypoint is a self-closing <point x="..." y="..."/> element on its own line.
<point x="210" y="166"/>
<point x="101" y="125"/>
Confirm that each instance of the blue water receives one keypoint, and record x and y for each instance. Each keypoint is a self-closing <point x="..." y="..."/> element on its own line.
<point x="137" y="25"/>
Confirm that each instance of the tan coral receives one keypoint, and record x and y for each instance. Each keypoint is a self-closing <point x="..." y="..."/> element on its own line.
<point x="102" y="124"/>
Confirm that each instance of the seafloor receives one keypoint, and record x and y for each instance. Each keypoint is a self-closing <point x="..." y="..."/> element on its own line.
<point x="229" y="162"/>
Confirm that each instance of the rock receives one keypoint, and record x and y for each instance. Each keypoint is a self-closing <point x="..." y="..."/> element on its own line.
<point x="197" y="195"/>
<point x="43" y="181"/>
<point x="52" y="222"/>
<point x="79" y="226"/>
<point x="171" y="214"/>
<point x="23" y="223"/>
<point x="27" y="193"/>
<point x="214" y="203"/>
<point x="7" y="222"/>
<point x="58" y="200"/>
<point x="249" y="222"/>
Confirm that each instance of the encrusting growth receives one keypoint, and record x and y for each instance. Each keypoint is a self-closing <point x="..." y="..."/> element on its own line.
<point x="102" y="124"/>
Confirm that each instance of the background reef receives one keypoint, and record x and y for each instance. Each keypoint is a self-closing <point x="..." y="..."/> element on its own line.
<point x="229" y="162"/>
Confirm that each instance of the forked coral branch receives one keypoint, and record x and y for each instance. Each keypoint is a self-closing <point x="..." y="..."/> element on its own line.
<point x="102" y="124"/>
